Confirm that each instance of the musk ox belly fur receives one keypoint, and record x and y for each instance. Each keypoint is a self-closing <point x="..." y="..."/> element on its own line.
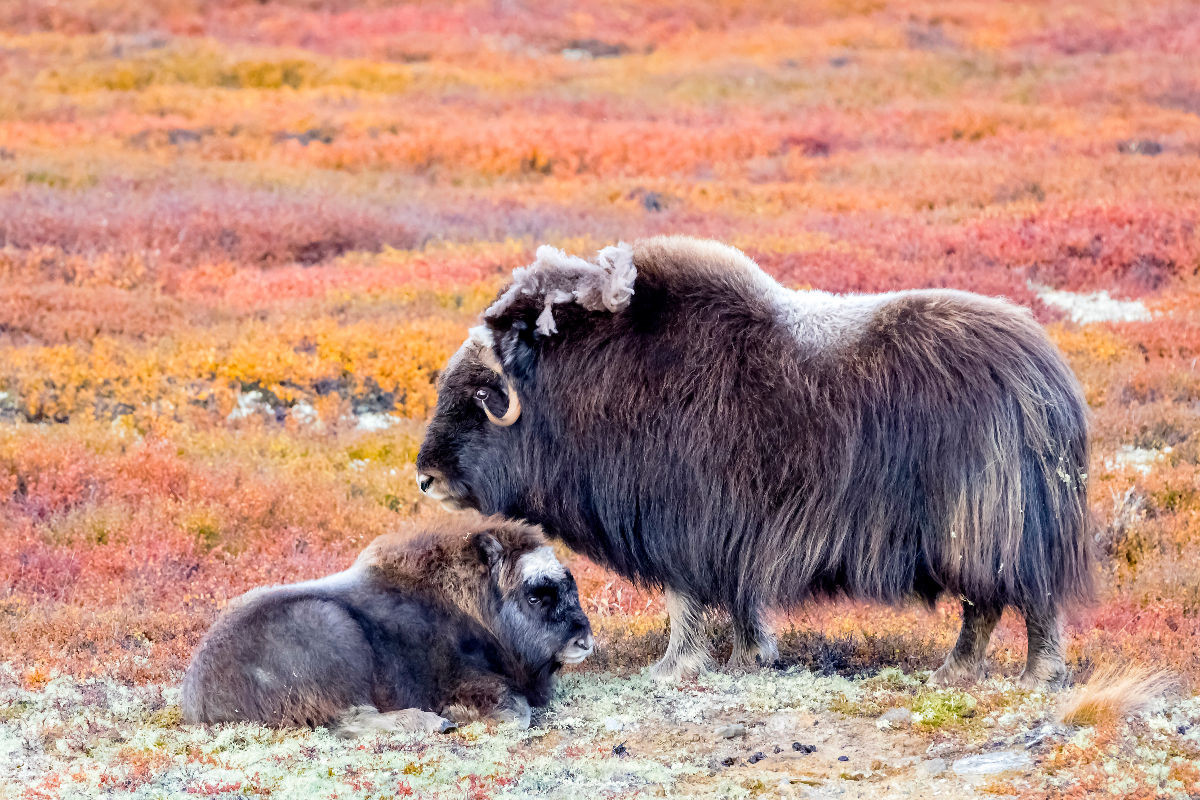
<point x="690" y="423"/>
<point x="419" y="622"/>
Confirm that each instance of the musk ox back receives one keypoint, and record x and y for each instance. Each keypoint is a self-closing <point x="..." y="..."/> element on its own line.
<point x="463" y="621"/>
<point x="676" y="414"/>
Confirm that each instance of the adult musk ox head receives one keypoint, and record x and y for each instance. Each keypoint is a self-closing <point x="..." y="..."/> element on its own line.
<point x="674" y="413"/>
<point x="463" y="461"/>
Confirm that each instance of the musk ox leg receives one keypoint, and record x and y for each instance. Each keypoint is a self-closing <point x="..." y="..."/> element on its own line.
<point x="361" y="720"/>
<point x="753" y="644"/>
<point x="687" y="652"/>
<point x="515" y="710"/>
<point x="487" y="696"/>
<point x="965" y="662"/>
<point x="1044" y="664"/>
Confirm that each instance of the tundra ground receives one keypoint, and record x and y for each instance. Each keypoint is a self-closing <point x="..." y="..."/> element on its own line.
<point x="785" y="733"/>
<point x="239" y="239"/>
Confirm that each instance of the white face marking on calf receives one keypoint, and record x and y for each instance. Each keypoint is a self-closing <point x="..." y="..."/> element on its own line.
<point x="540" y="564"/>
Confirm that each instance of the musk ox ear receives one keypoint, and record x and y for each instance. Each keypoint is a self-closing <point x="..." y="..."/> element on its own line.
<point x="488" y="548"/>
<point x="517" y="350"/>
<point x="558" y="279"/>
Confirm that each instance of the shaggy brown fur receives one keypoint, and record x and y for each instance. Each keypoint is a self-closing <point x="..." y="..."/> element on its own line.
<point x="468" y="619"/>
<point x="689" y="423"/>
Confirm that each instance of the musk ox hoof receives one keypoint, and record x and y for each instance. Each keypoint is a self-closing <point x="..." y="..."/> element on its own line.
<point x="676" y="668"/>
<point x="954" y="674"/>
<point x="418" y="721"/>
<point x="1050" y="677"/>
<point x="516" y="713"/>
<point x="762" y="657"/>
<point x="361" y="720"/>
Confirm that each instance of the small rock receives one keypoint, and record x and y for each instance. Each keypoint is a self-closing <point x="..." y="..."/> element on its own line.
<point x="620" y="751"/>
<point x="730" y="731"/>
<point x="992" y="763"/>
<point x="1140" y="147"/>
<point x="785" y="722"/>
<point x="894" y="718"/>
<point x="757" y="757"/>
<point x="934" y="766"/>
<point x="1047" y="732"/>
<point x="939" y="748"/>
<point x="612" y="724"/>
<point x="729" y="761"/>
<point x="804" y="748"/>
<point x="843" y="758"/>
<point x="778" y="749"/>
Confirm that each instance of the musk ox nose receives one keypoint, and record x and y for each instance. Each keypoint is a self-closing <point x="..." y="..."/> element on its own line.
<point x="424" y="482"/>
<point x="585" y="642"/>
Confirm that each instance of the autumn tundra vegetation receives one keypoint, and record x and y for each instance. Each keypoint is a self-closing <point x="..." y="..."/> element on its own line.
<point x="240" y="240"/>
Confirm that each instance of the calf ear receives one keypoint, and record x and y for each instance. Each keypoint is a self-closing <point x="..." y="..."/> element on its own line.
<point x="488" y="548"/>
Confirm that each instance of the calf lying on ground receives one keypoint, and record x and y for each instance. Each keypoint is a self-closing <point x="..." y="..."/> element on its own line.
<point x="471" y="620"/>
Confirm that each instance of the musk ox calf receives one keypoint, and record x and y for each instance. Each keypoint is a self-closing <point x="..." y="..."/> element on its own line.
<point x="675" y="414"/>
<point x="466" y="622"/>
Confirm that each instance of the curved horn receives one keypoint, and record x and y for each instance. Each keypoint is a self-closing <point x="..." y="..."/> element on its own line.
<point x="511" y="414"/>
<point x="488" y="357"/>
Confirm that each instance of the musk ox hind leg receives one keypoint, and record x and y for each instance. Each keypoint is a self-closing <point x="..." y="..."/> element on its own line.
<point x="687" y="652"/>
<point x="753" y="643"/>
<point x="282" y="664"/>
<point x="964" y="664"/>
<point x="1044" y="664"/>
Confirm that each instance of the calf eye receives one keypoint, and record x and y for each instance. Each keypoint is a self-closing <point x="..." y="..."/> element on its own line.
<point x="481" y="394"/>
<point x="542" y="595"/>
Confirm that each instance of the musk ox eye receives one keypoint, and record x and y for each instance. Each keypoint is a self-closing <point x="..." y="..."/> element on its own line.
<point x="542" y="595"/>
<point x="482" y="394"/>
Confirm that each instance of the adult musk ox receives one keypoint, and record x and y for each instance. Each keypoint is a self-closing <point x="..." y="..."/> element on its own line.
<point x="466" y="621"/>
<point x="675" y="414"/>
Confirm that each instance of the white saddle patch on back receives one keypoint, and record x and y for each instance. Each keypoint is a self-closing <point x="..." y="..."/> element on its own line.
<point x="823" y="320"/>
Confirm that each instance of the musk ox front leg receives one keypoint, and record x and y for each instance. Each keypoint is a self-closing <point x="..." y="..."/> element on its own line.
<point x="487" y="696"/>
<point x="687" y="652"/>
<point x="1044" y="664"/>
<point x="964" y="664"/>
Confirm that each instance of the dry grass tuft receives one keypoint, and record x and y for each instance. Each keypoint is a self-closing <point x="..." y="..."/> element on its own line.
<point x="1114" y="692"/>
